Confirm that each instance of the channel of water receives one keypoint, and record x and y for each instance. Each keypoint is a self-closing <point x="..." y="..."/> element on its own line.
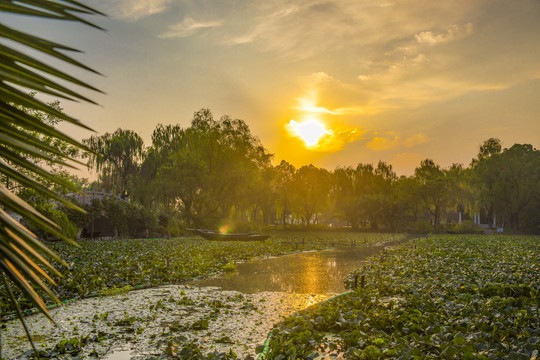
<point x="320" y="273"/>
<point x="314" y="272"/>
<point x="259" y="293"/>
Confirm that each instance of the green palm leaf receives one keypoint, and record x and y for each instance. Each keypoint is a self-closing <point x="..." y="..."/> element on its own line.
<point x="22" y="254"/>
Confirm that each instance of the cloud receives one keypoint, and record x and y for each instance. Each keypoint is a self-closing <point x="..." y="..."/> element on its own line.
<point x="337" y="137"/>
<point x="391" y="141"/>
<point x="360" y="58"/>
<point x="298" y="29"/>
<point x="455" y="31"/>
<point x="136" y="9"/>
<point x="381" y="143"/>
<point x="405" y="54"/>
<point x="243" y="39"/>
<point x="187" y="28"/>
<point x="325" y="95"/>
<point x="415" y="140"/>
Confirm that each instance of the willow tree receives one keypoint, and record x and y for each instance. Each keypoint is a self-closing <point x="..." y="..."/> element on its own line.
<point x="117" y="157"/>
<point x="210" y="168"/>
<point x="22" y="256"/>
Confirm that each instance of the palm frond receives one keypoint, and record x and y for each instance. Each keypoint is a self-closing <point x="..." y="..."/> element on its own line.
<point x="22" y="255"/>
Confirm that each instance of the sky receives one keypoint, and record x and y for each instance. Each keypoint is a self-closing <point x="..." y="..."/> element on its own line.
<point x="398" y="81"/>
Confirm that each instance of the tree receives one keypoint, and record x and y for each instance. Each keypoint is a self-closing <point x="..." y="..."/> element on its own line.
<point x="179" y="179"/>
<point x="282" y="187"/>
<point x="117" y="157"/>
<point x="363" y="193"/>
<point x="381" y="208"/>
<point x="490" y="147"/>
<point x="405" y="204"/>
<point x="345" y="193"/>
<point x="55" y="164"/>
<point x="21" y="253"/>
<point x="310" y="187"/>
<point x="210" y="171"/>
<point x="508" y="183"/>
<point x="460" y="188"/>
<point x="434" y="186"/>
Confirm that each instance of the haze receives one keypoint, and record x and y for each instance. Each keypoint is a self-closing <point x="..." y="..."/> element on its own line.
<point x="398" y="81"/>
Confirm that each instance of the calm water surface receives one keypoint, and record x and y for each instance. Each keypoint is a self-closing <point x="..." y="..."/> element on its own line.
<point x="317" y="272"/>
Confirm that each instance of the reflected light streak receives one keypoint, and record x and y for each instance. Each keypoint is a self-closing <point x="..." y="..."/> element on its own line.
<point x="224" y="229"/>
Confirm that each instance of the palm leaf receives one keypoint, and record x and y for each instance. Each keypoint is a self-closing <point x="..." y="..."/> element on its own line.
<point x="22" y="255"/>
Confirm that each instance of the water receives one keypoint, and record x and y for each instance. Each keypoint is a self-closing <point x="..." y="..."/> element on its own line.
<point x="317" y="272"/>
<point x="273" y="288"/>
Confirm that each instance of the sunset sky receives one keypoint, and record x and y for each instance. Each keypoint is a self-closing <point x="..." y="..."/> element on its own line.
<point x="399" y="81"/>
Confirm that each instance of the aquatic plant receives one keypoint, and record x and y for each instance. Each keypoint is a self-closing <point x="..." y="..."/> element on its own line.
<point x="107" y="267"/>
<point x="438" y="297"/>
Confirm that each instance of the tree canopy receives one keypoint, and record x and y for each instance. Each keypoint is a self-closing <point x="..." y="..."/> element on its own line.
<point x="216" y="172"/>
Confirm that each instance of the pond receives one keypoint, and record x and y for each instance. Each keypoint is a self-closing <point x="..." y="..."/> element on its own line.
<point x="241" y="306"/>
<point x="315" y="272"/>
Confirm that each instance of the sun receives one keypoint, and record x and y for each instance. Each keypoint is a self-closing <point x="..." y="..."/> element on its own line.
<point x="310" y="131"/>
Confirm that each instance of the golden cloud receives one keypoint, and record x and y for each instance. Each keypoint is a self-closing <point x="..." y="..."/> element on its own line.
<point x="391" y="141"/>
<point x="455" y="31"/>
<point x="415" y="140"/>
<point x="382" y="143"/>
<point x="328" y="140"/>
<point x="336" y="139"/>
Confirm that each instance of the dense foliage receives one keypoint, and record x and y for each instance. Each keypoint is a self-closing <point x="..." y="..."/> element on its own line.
<point x="452" y="297"/>
<point x="217" y="174"/>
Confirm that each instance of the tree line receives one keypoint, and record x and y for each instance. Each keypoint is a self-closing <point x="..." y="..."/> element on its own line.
<point x="216" y="173"/>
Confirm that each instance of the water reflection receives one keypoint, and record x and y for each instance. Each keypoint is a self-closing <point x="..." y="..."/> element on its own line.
<point x="319" y="272"/>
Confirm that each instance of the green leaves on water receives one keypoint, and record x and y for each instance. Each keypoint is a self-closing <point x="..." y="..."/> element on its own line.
<point x="463" y="297"/>
<point x="117" y="266"/>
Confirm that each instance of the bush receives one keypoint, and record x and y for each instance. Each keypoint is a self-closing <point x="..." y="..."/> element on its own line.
<point x="422" y="227"/>
<point x="69" y="229"/>
<point x="466" y="227"/>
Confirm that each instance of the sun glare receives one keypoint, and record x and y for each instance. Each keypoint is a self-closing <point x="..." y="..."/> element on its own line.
<point x="310" y="131"/>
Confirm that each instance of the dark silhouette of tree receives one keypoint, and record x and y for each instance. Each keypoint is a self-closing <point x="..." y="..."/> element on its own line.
<point x="508" y="182"/>
<point x="24" y="137"/>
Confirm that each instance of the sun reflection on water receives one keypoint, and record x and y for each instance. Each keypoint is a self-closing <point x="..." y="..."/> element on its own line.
<point x="298" y="302"/>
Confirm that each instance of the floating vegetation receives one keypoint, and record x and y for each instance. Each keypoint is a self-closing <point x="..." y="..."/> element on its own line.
<point x="151" y="323"/>
<point x="109" y="267"/>
<point x="451" y="297"/>
<point x="171" y="320"/>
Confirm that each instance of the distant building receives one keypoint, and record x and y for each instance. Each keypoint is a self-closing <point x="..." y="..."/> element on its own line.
<point x="90" y="194"/>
